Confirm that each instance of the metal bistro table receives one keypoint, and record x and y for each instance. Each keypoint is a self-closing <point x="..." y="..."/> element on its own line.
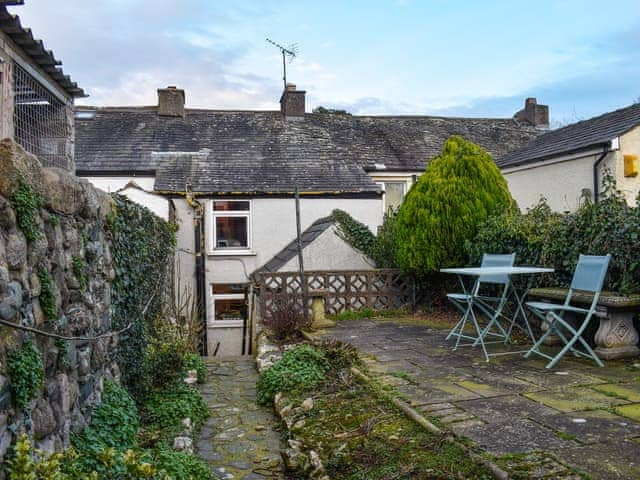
<point x="493" y="313"/>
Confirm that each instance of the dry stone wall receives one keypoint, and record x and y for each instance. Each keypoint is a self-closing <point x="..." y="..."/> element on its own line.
<point x="59" y="281"/>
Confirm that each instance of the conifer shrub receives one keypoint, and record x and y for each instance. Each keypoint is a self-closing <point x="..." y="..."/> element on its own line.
<point x="384" y="250"/>
<point x="460" y="188"/>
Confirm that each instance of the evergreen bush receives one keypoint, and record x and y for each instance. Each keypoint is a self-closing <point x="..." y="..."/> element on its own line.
<point x="459" y="189"/>
<point x="26" y="373"/>
<point x="544" y="238"/>
<point x="384" y="251"/>
<point x="301" y="367"/>
<point x="142" y="246"/>
<point x="165" y="408"/>
<point x="355" y="233"/>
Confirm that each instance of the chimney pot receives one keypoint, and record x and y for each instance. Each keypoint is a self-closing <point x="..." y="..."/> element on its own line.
<point x="171" y="101"/>
<point x="292" y="102"/>
<point x="534" y="114"/>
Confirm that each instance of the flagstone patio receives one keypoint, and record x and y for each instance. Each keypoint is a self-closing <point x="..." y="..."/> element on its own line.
<point x="576" y="415"/>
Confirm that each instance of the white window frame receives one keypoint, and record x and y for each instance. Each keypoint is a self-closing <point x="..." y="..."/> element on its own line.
<point x="382" y="184"/>
<point x="212" y="215"/>
<point x="213" y="323"/>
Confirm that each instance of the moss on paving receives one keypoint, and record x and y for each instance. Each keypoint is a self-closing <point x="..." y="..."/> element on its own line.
<point x="619" y="391"/>
<point x="575" y="399"/>
<point x="360" y="435"/>
<point x="629" y="411"/>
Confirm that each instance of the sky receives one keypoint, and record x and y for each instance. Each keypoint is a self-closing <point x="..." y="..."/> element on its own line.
<point x="433" y="57"/>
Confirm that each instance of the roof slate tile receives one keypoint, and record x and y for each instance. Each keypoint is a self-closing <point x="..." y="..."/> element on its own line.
<point x="578" y="136"/>
<point x="260" y="151"/>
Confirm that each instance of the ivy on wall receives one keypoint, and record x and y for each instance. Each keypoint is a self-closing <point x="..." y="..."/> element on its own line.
<point x="543" y="237"/>
<point x="353" y="232"/>
<point x="26" y="373"/>
<point x="47" y="295"/>
<point x="142" y="246"/>
<point x="26" y="203"/>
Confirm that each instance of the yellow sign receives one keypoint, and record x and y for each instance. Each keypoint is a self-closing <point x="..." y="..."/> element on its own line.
<point x="630" y="165"/>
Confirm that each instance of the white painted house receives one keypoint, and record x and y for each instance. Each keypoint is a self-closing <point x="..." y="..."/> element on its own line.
<point x="228" y="179"/>
<point x="566" y="165"/>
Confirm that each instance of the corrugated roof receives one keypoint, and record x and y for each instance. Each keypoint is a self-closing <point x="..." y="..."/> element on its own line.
<point x="586" y="134"/>
<point x="261" y="151"/>
<point x="23" y="37"/>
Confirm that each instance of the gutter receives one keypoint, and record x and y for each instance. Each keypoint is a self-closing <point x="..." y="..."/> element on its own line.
<point x="596" y="183"/>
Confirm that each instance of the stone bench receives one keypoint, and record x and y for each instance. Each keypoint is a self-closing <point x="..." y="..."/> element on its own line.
<point x="616" y="336"/>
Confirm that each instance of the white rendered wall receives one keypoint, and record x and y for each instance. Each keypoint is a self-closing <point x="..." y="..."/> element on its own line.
<point x="156" y="203"/>
<point x="274" y="226"/>
<point x="329" y="252"/>
<point x="561" y="183"/>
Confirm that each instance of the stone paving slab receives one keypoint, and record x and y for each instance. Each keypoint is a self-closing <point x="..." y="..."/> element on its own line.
<point x="239" y="440"/>
<point x="596" y="426"/>
<point x="510" y="406"/>
<point x="511" y="436"/>
<point x="575" y="399"/>
<point x="575" y="414"/>
<point x="628" y="392"/>
<point x="620" y="459"/>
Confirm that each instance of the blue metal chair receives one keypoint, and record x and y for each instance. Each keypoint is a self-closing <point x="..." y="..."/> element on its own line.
<point x="589" y="277"/>
<point x="490" y="305"/>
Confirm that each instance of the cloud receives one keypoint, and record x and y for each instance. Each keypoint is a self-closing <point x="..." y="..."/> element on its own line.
<point x="121" y="51"/>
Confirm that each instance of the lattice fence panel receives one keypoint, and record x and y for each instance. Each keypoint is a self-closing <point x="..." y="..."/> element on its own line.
<point x="343" y="290"/>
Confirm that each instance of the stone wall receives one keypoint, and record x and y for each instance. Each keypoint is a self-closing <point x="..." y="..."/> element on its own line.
<point x="71" y="245"/>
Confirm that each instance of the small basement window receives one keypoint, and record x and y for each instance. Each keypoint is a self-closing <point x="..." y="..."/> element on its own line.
<point x="231" y="226"/>
<point x="229" y="302"/>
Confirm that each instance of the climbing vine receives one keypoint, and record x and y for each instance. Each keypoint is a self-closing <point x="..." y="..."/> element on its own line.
<point x="142" y="245"/>
<point x="47" y="296"/>
<point x="79" y="269"/>
<point x="26" y="203"/>
<point x="26" y="373"/>
<point x="353" y="232"/>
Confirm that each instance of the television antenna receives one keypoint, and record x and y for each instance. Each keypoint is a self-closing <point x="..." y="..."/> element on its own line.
<point x="291" y="51"/>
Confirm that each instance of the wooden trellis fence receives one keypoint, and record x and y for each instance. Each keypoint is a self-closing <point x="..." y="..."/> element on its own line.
<point x="343" y="290"/>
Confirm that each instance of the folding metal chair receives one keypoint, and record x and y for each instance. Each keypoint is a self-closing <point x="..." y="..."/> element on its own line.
<point x="490" y="305"/>
<point x="589" y="277"/>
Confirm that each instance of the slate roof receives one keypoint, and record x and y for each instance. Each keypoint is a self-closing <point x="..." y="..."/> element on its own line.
<point x="597" y="131"/>
<point x="23" y="37"/>
<point x="261" y="151"/>
<point x="281" y="258"/>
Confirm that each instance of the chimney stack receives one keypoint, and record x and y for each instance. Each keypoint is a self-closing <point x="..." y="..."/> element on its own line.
<point x="171" y="102"/>
<point x="292" y="103"/>
<point x="534" y="114"/>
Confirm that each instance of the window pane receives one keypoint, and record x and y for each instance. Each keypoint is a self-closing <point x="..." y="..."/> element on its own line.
<point x="228" y="288"/>
<point x="226" y="205"/>
<point x="393" y="194"/>
<point x="231" y="232"/>
<point x="230" y="309"/>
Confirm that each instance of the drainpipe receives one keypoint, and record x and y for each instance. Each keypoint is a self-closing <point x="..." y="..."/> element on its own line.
<point x="199" y="244"/>
<point x="596" y="183"/>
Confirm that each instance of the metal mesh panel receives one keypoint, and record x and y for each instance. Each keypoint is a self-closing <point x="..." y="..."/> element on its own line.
<point x="39" y="120"/>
